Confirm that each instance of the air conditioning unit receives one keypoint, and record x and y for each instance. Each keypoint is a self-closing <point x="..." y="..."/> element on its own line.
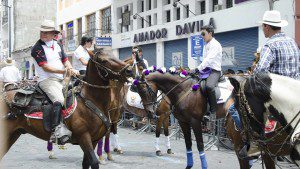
<point x="217" y="7"/>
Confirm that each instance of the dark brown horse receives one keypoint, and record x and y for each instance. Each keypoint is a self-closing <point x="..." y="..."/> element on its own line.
<point x="189" y="106"/>
<point x="86" y="126"/>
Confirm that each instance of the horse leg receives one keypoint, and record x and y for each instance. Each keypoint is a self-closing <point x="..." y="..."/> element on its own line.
<point x="99" y="151"/>
<point x="197" y="128"/>
<point x="166" y="132"/>
<point x="89" y="158"/>
<point x="157" y="134"/>
<point x="269" y="161"/>
<point x="115" y="139"/>
<point x="107" y="149"/>
<point x="186" y="129"/>
<point x="50" y="150"/>
<point x="9" y="142"/>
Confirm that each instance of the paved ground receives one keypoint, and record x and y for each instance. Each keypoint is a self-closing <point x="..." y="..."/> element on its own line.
<point x="31" y="153"/>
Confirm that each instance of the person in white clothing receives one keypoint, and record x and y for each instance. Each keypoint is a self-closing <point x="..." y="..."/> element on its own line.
<point x="51" y="65"/>
<point x="211" y="65"/>
<point x="137" y="56"/>
<point x="81" y="55"/>
<point x="10" y="73"/>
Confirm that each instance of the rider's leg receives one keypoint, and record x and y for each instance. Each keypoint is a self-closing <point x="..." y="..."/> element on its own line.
<point x="235" y="116"/>
<point x="211" y="83"/>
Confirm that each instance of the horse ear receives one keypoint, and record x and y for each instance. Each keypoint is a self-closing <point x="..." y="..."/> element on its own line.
<point x="236" y="81"/>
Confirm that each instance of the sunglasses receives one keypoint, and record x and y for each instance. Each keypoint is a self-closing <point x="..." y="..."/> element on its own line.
<point x="203" y="33"/>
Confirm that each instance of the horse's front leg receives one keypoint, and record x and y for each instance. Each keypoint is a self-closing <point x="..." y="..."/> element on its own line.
<point x="186" y="129"/>
<point x="157" y="134"/>
<point x="89" y="158"/>
<point x="166" y="132"/>
<point x="115" y="139"/>
<point x="197" y="128"/>
<point x="107" y="148"/>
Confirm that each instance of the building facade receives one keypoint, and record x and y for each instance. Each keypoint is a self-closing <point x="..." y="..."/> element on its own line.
<point x="166" y="29"/>
<point x="26" y="18"/>
<point x="77" y="18"/>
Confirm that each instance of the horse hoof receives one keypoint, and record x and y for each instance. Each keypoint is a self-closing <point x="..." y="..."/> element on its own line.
<point x="169" y="151"/>
<point x="102" y="160"/>
<point x="109" y="157"/>
<point x="158" y="153"/>
<point x="188" y="167"/>
<point x="118" y="151"/>
<point x="51" y="155"/>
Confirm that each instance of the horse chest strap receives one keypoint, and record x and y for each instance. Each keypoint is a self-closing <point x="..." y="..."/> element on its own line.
<point x="100" y="114"/>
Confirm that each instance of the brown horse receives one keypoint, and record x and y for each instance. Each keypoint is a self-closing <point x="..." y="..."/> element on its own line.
<point x="86" y="126"/>
<point x="189" y="107"/>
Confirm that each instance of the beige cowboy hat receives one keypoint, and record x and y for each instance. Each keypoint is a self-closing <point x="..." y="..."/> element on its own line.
<point x="273" y="18"/>
<point x="9" y="62"/>
<point x="48" y="26"/>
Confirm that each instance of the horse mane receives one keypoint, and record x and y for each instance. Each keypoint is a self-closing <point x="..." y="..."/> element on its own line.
<point x="259" y="86"/>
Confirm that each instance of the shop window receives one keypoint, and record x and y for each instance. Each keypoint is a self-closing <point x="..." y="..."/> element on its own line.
<point x="202" y="6"/>
<point x="79" y="27"/>
<point x="178" y="14"/>
<point x="70" y="33"/>
<point x="142" y="7"/>
<point x="168" y="16"/>
<point x="91" y="25"/>
<point x="106" y="20"/>
<point x="229" y="3"/>
<point x="187" y="8"/>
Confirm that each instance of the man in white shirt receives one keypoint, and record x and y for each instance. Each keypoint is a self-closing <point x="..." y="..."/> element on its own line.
<point x="10" y="73"/>
<point x="51" y="65"/>
<point x="139" y="61"/>
<point x="211" y="64"/>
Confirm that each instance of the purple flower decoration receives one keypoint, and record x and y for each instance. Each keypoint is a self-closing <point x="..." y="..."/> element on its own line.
<point x="162" y="70"/>
<point x="154" y="68"/>
<point x="146" y="72"/>
<point x="195" y="87"/>
<point x="184" y="72"/>
<point x="135" y="82"/>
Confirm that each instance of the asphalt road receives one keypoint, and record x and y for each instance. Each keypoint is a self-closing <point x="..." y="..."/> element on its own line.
<point x="139" y="153"/>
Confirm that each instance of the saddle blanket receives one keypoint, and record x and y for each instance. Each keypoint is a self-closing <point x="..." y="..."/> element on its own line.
<point x="65" y="113"/>
<point x="225" y="90"/>
<point x="134" y="99"/>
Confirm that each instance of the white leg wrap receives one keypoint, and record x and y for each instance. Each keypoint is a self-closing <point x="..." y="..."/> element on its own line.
<point x="168" y="143"/>
<point x="156" y="144"/>
<point x="112" y="140"/>
<point x="117" y="145"/>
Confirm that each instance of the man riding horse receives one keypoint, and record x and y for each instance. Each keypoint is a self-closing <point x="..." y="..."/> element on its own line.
<point x="279" y="55"/>
<point x="52" y="64"/>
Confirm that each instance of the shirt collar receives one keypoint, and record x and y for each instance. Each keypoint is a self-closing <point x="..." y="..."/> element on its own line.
<point x="279" y="34"/>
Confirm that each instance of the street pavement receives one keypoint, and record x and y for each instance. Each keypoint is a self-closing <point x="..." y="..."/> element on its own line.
<point x="139" y="153"/>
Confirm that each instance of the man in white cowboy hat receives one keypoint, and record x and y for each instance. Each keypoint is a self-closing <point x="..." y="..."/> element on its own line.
<point x="280" y="54"/>
<point x="10" y="73"/>
<point x="52" y="63"/>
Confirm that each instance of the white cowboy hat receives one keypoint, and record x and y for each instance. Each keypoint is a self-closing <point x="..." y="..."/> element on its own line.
<point x="273" y="18"/>
<point x="48" y="26"/>
<point x="9" y="62"/>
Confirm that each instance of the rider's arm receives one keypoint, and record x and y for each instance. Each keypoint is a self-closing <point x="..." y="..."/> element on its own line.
<point x="214" y="52"/>
<point x="266" y="59"/>
<point x="83" y="61"/>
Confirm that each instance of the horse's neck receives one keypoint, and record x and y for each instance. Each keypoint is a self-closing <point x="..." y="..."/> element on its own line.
<point x="169" y="84"/>
<point x="285" y="93"/>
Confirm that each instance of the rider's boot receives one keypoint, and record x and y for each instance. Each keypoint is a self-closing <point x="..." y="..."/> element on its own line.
<point x="56" y="115"/>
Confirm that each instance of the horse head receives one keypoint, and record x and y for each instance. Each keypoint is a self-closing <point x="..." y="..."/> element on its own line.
<point x="250" y="95"/>
<point x="107" y="66"/>
<point x="148" y="92"/>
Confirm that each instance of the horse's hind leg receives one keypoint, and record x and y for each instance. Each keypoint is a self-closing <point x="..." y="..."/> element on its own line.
<point x="166" y="132"/>
<point x="9" y="142"/>
<point x="197" y="128"/>
<point x="89" y="158"/>
<point x="186" y="129"/>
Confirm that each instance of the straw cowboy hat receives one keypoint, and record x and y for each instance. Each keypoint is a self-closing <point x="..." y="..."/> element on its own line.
<point x="48" y="26"/>
<point x="273" y="18"/>
<point x="9" y="62"/>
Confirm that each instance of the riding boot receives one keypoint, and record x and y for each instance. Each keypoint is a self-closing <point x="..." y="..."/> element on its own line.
<point x="56" y="117"/>
<point x="211" y="95"/>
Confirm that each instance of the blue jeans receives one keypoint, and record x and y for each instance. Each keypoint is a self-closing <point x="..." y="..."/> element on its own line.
<point x="235" y="116"/>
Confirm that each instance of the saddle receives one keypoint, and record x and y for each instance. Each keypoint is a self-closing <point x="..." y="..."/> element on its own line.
<point x="223" y="89"/>
<point x="34" y="103"/>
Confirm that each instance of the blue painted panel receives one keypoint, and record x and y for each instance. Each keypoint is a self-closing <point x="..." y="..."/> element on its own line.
<point x="173" y="47"/>
<point x="245" y="43"/>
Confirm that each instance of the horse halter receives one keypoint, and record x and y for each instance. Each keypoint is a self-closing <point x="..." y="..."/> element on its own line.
<point x="108" y="71"/>
<point x="152" y="95"/>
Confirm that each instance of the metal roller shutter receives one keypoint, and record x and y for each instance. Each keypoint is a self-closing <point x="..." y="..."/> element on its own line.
<point x="174" y="47"/>
<point x="149" y="53"/>
<point x="245" y="43"/>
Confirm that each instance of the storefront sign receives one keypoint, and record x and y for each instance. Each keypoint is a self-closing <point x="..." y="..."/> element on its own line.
<point x="152" y="35"/>
<point x="177" y="59"/>
<point x="71" y="45"/>
<point x="192" y="27"/>
<point x="197" y="44"/>
<point x="103" y="41"/>
<point x="228" y="57"/>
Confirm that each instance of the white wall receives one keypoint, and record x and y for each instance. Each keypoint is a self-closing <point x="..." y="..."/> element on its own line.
<point x="80" y="9"/>
<point x="241" y="16"/>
